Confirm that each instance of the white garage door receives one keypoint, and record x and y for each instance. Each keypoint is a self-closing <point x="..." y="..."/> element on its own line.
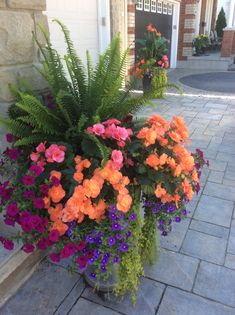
<point x="81" y="18"/>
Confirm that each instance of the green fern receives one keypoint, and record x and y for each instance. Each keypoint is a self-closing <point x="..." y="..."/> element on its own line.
<point x="82" y="95"/>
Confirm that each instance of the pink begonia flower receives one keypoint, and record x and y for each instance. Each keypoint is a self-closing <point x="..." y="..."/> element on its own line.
<point x="121" y="144"/>
<point x="164" y="58"/>
<point x="120" y="133"/>
<point x="110" y="130"/>
<point x="98" y="129"/>
<point x="34" y="156"/>
<point x="111" y="121"/>
<point x="117" y="158"/>
<point x="41" y="148"/>
<point x="159" y="62"/>
<point x="54" y="154"/>
<point x="90" y="130"/>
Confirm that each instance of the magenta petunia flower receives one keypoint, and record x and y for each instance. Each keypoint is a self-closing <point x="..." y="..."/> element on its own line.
<point x="54" y="236"/>
<point x="34" y="221"/>
<point x="26" y="227"/>
<point x="9" y="221"/>
<point x="37" y="170"/>
<point x="28" y="194"/>
<point x="39" y="203"/>
<point x="82" y="262"/>
<point x="13" y="154"/>
<point x="44" y="188"/>
<point x="28" y="248"/>
<point x="12" y="209"/>
<point x="28" y="180"/>
<point x="9" y="137"/>
<point x="42" y="244"/>
<point x="8" y="244"/>
<point x="54" y="257"/>
<point x="81" y="245"/>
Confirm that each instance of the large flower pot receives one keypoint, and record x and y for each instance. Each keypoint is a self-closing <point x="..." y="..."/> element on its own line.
<point x="146" y="81"/>
<point x="101" y="285"/>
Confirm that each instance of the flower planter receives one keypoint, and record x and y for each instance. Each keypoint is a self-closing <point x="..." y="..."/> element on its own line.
<point x="101" y="285"/>
<point x="146" y="82"/>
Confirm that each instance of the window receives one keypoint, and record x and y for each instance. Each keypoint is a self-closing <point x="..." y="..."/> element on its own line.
<point x="147" y="5"/>
<point x="170" y="9"/>
<point x="159" y="7"/>
<point x="164" y="10"/>
<point x="153" y="6"/>
<point x="139" y="5"/>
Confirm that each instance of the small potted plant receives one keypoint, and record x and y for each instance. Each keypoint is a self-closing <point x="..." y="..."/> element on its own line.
<point x="152" y="61"/>
<point x="200" y="43"/>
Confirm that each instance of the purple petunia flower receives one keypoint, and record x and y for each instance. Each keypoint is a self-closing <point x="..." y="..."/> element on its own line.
<point x="128" y="234"/>
<point x="133" y="217"/>
<point x="177" y="219"/>
<point x="89" y="239"/>
<point x="28" y="180"/>
<point x="119" y="237"/>
<point x="123" y="247"/>
<point x="164" y="233"/>
<point x="103" y="268"/>
<point x="39" y="203"/>
<point x="93" y="275"/>
<point x="97" y="253"/>
<point x="116" y="226"/>
<point x="116" y="259"/>
<point x="112" y="216"/>
<point x="111" y="241"/>
<point x="184" y="212"/>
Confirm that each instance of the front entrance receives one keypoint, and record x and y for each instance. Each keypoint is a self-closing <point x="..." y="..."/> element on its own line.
<point x="160" y="14"/>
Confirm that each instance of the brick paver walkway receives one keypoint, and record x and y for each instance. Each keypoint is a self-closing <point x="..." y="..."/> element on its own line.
<point x="196" y="271"/>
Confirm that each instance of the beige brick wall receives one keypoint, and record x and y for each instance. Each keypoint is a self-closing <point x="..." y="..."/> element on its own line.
<point x="18" y="52"/>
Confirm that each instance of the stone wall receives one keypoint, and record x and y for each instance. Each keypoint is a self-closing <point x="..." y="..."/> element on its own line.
<point x="18" y="52"/>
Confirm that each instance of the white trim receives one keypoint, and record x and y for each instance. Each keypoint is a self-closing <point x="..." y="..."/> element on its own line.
<point x="198" y="17"/>
<point x="169" y="8"/>
<point x="175" y="33"/>
<point x="164" y="8"/>
<point x="103" y="24"/>
<point x="159" y="7"/>
<point x="154" y="6"/>
<point x="231" y="18"/>
<point x="147" y="5"/>
<point x="139" y="5"/>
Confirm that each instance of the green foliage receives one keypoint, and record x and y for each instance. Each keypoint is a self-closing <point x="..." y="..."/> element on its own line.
<point x="221" y="22"/>
<point x="159" y="82"/>
<point x="130" y="268"/>
<point x="81" y="95"/>
<point x="152" y="47"/>
<point x="149" y="243"/>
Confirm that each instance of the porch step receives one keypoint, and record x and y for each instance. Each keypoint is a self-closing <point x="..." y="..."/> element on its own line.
<point x="15" y="267"/>
<point x="205" y="64"/>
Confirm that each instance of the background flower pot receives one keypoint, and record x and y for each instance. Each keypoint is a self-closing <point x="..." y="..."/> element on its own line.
<point x="146" y="82"/>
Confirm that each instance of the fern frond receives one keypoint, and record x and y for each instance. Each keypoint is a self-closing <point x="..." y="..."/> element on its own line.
<point x="17" y="128"/>
<point x="32" y="139"/>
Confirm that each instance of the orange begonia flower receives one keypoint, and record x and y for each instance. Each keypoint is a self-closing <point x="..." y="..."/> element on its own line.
<point x="159" y="192"/>
<point x="188" y="190"/>
<point x="124" y="202"/>
<point x="175" y="136"/>
<point x="177" y="171"/>
<point x="92" y="188"/>
<point x="195" y="176"/>
<point x="78" y="176"/>
<point x="60" y="227"/>
<point x="55" y="212"/>
<point x="47" y="202"/>
<point x="153" y="160"/>
<point x="163" y="159"/>
<point x="56" y="193"/>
